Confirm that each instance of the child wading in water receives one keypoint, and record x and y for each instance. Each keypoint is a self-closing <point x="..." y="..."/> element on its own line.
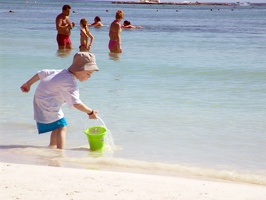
<point x="56" y="88"/>
<point x="85" y="34"/>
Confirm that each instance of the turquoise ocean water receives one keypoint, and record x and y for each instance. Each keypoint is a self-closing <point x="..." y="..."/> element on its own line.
<point x="186" y="96"/>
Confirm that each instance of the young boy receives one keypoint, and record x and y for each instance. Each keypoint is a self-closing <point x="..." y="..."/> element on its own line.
<point x="56" y="88"/>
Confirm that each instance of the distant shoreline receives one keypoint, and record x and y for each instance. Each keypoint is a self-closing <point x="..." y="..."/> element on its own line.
<point x="174" y="3"/>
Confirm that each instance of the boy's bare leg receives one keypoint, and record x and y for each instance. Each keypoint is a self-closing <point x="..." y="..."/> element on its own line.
<point x="53" y="139"/>
<point x="57" y="138"/>
<point x="61" y="137"/>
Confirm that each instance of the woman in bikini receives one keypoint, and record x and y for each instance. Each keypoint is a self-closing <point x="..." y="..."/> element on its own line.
<point x="85" y="34"/>
<point x="114" y="33"/>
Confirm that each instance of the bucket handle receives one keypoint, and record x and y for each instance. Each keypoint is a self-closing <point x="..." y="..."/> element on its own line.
<point x="97" y="119"/>
<point x="101" y="121"/>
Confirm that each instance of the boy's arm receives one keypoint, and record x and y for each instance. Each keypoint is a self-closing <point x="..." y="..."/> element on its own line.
<point x="26" y="86"/>
<point x="82" y="107"/>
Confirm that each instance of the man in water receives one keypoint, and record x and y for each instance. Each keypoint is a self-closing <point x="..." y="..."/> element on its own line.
<point x="63" y="27"/>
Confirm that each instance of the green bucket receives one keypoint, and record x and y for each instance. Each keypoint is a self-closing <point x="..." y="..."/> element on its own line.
<point x="95" y="136"/>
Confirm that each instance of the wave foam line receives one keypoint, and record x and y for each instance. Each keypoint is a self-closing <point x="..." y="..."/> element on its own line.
<point x="167" y="169"/>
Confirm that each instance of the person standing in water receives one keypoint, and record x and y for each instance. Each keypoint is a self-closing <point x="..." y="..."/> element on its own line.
<point x="64" y="27"/>
<point x="56" y="88"/>
<point x="114" y="33"/>
<point x="85" y="34"/>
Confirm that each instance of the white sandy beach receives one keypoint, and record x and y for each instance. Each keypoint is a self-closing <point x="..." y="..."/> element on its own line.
<point x="20" y="181"/>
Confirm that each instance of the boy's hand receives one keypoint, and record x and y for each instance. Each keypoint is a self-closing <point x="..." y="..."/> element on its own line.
<point x="93" y="115"/>
<point x="25" y="87"/>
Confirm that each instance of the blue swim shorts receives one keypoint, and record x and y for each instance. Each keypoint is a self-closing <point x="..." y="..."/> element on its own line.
<point x="43" y="128"/>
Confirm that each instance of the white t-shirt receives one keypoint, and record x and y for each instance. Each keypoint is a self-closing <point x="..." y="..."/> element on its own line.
<point x="56" y="88"/>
